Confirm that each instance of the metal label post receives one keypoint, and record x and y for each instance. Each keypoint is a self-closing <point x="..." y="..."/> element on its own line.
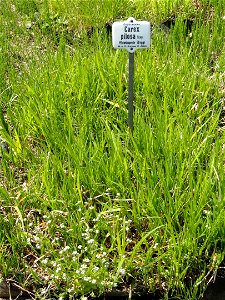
<point x="131" y="92"/>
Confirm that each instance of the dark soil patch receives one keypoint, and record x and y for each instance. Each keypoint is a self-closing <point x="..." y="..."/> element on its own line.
<point x="171" y="22"/>
<point x="126" y="294"/>
<point x="216" y="288"/>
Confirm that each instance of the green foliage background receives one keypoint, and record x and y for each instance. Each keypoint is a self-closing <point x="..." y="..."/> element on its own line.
<point x="82" y="198"/>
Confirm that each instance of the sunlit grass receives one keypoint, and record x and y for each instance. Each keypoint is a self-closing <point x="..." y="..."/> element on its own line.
<point x="85" y="205"/>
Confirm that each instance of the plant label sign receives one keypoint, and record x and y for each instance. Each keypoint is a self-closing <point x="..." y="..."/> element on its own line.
<point x="131" y="34"/>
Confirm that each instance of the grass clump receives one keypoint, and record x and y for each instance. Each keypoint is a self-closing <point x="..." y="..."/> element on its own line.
<point x="85" y="205"/>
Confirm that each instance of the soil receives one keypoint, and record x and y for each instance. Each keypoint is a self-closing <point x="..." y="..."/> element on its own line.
<point x="214" y="291"/>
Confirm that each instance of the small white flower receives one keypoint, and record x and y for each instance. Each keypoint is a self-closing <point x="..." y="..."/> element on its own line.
<point x="155" y="246"/>
<point x="91" y="207"/>
<point x="87" y="278"/>
<point x="128" y="221"/>
<point x="96" y="268"/>
<point x="122" y="271"/>
<point x="58" y="269"/>
<point x="45" y="261"/>
<point x="83" y="266"/>
<point x="91" y="241"/>
<point x="79" y="246"/>
<point x="86" y="260"/>
<point x="93" y="281"/>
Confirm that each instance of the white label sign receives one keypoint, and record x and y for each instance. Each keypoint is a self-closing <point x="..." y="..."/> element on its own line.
<point x="131" y="34"/>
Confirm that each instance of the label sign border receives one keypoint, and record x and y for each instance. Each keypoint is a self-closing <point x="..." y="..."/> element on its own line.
<point x="130" y="36"/>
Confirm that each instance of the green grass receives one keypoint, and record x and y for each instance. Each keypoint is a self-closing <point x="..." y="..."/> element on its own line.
<point x="85" y="205"/>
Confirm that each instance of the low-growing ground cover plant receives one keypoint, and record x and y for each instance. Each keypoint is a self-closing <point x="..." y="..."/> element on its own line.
<point x="85" y="205"/>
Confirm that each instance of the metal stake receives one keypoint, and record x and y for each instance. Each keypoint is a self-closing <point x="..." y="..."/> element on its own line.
<point x="131" y="92"/>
